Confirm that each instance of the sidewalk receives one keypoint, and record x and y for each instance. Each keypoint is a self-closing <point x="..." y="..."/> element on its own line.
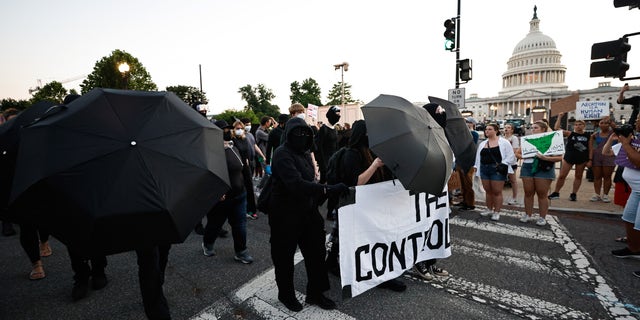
<point x="583" y="204"/>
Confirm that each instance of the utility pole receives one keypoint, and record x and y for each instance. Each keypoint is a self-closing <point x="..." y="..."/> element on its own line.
<point x="458" y="46"/>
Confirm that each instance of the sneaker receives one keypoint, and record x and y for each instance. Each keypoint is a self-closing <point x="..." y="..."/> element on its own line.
<point x="495" y="216"/>
<point x="525" y="218"/>
<point x="573" y="197"/>
<point x="605" y="198"/>
<point x="438" y="271"/>
<point x="595" y="198"/>
<point x="243" y="256"/>
<point x="513" y="202"/>
<point x="466" y="208"/>
<point x="207" y="250"/>
<point x="636" y="273"/>
<point x="252" y="216"/>
<point x="79" y="290"/>
<point x="541" y="221"/>
<point x="625" y="253"/>
<point x="99" y="281"/>
<point x="486" y="213"/>
<point x="422" y="270"/>
<point x="554" y="196"/>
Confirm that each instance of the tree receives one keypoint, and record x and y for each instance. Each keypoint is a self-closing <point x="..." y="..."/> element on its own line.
<point x="230" y="116"/>
<point x="335" y="95"/>
<point x="259" y="100"/>
<point x="307" y="93"/>
<point x="106" y="74"/>
<point x="188" y="94"/>
<point x="12" y="103"/>
<point x="52" y="91"/>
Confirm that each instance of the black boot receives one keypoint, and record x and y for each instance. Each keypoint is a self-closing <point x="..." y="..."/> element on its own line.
<point x="7" y="229"/>
<point x="321" y="301"/>
<point x="333" y="265"/>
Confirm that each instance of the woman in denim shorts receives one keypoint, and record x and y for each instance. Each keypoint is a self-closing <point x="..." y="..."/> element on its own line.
<point x="538" y="182"/>
<point x="491" y="152"/>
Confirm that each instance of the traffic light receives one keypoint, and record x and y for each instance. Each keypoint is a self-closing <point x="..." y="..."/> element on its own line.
<point x="465" y="69"/>
<point x="615" y="54"/>
<point x="450" y="34"/>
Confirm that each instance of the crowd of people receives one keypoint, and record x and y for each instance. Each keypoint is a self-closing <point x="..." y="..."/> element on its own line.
<point x="295" y="156"/>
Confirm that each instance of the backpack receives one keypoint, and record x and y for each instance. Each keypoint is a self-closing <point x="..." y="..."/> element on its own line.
<point x="264" y="199"/>
<point x="335" y="173"/>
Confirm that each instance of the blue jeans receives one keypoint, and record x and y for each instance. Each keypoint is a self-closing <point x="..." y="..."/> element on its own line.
<point x="234" y="209"/>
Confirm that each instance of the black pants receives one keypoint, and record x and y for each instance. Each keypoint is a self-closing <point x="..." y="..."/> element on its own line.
<point x="30" y="238"/>
<point x="310" y="237"/>
<point x="80" y="265"/>
<point x="152" y="262"/>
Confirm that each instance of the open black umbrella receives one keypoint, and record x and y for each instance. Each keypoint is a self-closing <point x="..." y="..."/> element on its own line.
<point x="410" y="143"/>
<point x="9" y="141"/>
<point x="119" y="169"/>
<point x="458" y="134"/>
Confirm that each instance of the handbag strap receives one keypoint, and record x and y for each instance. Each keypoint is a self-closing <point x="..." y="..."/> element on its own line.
<point x="491" y="154"/>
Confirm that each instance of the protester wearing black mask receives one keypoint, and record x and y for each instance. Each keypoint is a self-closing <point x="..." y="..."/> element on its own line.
<point x="327" y="145"/>
<point x="295" y="219"/>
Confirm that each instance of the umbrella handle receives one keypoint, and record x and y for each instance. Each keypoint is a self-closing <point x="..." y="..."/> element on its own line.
<point x="51" y="111"/>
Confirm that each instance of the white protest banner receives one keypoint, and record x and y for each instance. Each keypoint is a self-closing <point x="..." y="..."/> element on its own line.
<point x="387" y="231"/>
<point x="546" y="143"/>
<point x="312" y="111"/>
<point x="591" y="110"/>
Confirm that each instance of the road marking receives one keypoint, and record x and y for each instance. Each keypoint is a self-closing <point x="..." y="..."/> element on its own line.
<point x="507" y="229"/>
<point x="261" y="295"/>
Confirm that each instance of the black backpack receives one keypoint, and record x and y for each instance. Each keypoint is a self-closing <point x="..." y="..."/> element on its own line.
<point x="335" y="173"/>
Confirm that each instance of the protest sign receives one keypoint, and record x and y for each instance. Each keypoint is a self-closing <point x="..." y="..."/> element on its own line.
<point x="591" y="110"/>
<point x="546" y="143"/>
<point x="387" y="231"/>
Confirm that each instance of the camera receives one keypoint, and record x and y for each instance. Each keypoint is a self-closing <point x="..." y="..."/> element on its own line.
<point x="624" y="130"/>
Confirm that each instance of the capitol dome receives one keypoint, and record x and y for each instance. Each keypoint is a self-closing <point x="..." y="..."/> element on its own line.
<point x="534" y="64"/>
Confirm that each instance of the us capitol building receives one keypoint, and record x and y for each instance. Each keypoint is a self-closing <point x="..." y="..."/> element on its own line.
<point x="533" y="87"/>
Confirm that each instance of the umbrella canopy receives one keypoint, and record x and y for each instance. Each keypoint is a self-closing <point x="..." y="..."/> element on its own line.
<point x="410" y="143"/>
<point x="119" y="169"/>
<point x="458" y="134"/>
<point x="9" y="140"/>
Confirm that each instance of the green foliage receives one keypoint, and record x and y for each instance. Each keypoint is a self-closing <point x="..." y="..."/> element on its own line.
<point x="335" y="95"/>
<point x="230" y="116"/>
<point x="52" y="91"/>
<point x="188" y="94"/>
<point x="106" y="74"/>
<point x="307" y="93"/>
<point x="259" y="100"/>
<point x="12" y="103"/>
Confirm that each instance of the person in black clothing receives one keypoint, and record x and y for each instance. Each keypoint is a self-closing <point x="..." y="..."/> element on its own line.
<point x="295" y="219"/>
<point x="633" y="101"/>
<point x="359" y="167"/>
<point x="152" y="262"/>
<point x="327" y="145"/>
<point x="275" y="137"/>
<point x="82" y="271"/>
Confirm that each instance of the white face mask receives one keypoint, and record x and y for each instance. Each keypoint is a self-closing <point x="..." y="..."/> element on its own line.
<point x="239" y="132"/>
<point x="247" y="128"/>
<point x="301" y="116"/>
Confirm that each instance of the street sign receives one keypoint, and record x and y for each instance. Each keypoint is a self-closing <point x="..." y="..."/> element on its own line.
<point x="457" y="96"/>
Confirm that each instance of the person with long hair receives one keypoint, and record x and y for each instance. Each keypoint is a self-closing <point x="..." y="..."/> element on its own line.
<point x="515" y="145"/>
<point x="491" y="152"/>
<point x="601" y="165"/>
<point x="536" y="181"/>
<point x="576" y="154"/>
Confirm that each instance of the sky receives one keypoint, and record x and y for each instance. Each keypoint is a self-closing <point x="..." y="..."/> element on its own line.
<point x="392" y="47"/>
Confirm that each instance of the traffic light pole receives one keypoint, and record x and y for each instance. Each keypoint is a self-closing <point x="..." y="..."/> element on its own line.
<point x="458" y="46"/>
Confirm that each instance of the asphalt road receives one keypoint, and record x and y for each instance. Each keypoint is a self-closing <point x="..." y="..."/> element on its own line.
<point x="499" y="270"/>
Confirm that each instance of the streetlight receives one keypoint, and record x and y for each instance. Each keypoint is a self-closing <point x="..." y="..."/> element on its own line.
<point x="124" y="69"/>
<point x="343" y="67"/>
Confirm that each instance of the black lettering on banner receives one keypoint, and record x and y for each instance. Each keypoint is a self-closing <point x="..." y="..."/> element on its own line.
<point x="430" y="244"/>
<point x="447" y="241"/>
<point x="416" y="198"/>
<point x="414" y="245"/>
<point x="398" y="254"/>
<point x="375" y="260"/>
<point x="359" y="252"/>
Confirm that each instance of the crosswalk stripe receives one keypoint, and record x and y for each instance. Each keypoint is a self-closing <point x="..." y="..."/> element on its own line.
<point x="506" y="229"/>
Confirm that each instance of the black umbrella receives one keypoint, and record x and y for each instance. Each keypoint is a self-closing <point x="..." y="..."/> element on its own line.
<point x="410" y="143"/>
<point x="458" y="134"/>
<point x="120" y="169"/>
<point x="9" y="141"/>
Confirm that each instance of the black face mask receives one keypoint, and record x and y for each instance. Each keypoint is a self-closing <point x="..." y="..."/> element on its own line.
<point x="333" y="117"/>
<point x="226" y="136"/>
